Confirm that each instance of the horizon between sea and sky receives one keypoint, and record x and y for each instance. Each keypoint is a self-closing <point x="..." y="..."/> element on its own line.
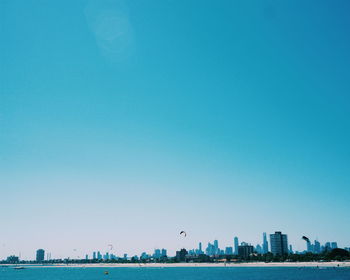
<point x="125" y="122"/>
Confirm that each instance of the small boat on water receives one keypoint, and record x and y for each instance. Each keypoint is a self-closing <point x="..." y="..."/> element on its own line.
<point x="19" y="267"/>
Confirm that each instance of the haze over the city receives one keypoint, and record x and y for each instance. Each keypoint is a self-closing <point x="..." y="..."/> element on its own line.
<point x="125" y="122"/>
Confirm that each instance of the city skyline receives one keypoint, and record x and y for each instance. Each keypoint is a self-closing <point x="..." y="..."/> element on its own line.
<point x="125" y="122"/>
<point x="211" y="249"/>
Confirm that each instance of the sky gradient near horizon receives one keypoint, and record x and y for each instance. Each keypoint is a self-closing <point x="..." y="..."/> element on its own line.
<point x="125" y="122"/>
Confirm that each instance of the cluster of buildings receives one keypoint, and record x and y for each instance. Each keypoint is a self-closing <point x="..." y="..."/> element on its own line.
<point x="157" y="255"/>
<point x="277" y="245"/>
<point x="317" y="248"/>
<point x="98" y="256"/>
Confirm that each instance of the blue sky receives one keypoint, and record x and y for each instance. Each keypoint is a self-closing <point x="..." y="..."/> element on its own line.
<point x="126" y="122"/>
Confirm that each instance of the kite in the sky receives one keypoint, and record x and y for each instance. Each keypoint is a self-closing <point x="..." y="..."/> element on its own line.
<point x="306" y="239"/>
<point x="183" y="233"/>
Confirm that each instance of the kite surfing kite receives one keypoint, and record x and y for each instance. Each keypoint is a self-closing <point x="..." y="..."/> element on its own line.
<point x="306" y="239"/>
<point x="183" y="233"/>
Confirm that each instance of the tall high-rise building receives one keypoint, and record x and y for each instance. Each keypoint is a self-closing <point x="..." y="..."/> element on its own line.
<point x="258" y="249"/>
<point x="216" y="247"/>
<point x="99" y="256"/>
<point x="210" y="250"/>
<point x="228" y="251"/>
<point x="310" y="247"/>
<point x="290" y="249"/>
<point x="200" y="248"/>
<point x="327" y="246"/>
<point x="235" y="241"/>
<point x="163" y="252"/>
<point x="94" y="255"/>
<point x="265" y="245"/>
<point x="245" y="250"/>
<point x="181" y="255"/>
<point x="156" y="254"/>
<point x="317" y="247"/>
<point x="40" y="255"/>
<point x="279" y="243"/>
<point x="192" y="252"/>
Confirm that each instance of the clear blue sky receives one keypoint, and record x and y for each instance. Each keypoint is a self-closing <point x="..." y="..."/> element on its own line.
<point x="126" y="122"/>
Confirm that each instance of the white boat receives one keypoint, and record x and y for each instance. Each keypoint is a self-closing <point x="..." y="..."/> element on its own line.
<point x="19" y="267"/>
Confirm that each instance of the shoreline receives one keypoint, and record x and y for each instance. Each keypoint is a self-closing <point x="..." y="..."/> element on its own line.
<point x="340" y="264"/>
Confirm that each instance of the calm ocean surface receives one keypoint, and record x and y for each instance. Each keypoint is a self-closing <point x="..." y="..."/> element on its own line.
<point x="175" y="273"/>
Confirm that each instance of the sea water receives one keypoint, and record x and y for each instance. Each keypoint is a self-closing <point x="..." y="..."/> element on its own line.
<point x="171" y="273"/>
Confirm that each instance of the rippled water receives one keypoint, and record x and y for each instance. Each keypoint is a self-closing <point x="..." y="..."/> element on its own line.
<point x="197" y="273"/>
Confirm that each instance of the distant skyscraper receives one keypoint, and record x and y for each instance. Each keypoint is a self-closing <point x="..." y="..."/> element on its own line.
<point x="334" y="245"/>
<point x="228" y="251"/>
<point x="99" y="256"/>
<point x="265" y="247"/>
<point x="156" y="254"/>
<point x="40" y="255"/>
<point x="163" y="253"/>
<point x="94" y="255"/>
<point x="216" y="247"/>
<point x="86" y="257"/>
<point x="327" y="246"/>
<point x="309" y="247"/>
<point x="210" y="251"/>
<point x="279" y="243"/>
<point x="200" y="248"/>
<point x="290" y="249"/>
<point x="236" y="245"/>
<point x="317" y="247"/>
<point x="191" y="252"/>
<point x="259" y="249"/>
<point x="245" y="250"/>
<point x="181" y="255"/>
